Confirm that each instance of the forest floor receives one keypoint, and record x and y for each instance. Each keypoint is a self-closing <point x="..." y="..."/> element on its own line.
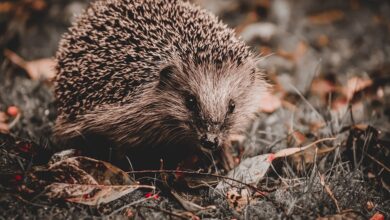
<point x="319" y="148"/>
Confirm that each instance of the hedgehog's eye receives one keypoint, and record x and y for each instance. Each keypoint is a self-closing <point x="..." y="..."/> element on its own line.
<point x="232" y="106"/>
<point x="191" y="102"/>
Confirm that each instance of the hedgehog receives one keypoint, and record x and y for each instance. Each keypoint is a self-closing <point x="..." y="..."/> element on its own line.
<point x="160" y="78"/>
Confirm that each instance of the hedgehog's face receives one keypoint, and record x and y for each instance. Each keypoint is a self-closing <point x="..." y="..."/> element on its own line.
<point x="211" y="127"/>
<point x="211" y="104"/>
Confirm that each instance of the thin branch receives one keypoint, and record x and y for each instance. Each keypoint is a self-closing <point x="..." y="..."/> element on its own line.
<point x="308" y="103"/>
<point x="196" y="173"/>
<point x="378" y="162"/>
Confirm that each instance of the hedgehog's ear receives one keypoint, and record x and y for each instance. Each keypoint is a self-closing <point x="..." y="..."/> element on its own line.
<point x="166" y="74"/>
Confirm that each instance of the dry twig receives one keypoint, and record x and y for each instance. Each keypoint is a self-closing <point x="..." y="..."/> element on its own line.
<point x="329" y="191"/>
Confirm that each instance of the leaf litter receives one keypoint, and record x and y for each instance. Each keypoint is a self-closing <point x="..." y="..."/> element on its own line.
<point x="319" y="149"/>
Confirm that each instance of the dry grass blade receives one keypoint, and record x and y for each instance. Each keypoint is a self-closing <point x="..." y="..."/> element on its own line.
<point x="291" y="151"/>
<point x="329" y="191"/>
<point x="14" y="121"/>
<point x="378" y="162"/>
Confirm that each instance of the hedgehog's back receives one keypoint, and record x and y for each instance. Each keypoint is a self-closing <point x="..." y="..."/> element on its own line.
<point x="117" y="47"/>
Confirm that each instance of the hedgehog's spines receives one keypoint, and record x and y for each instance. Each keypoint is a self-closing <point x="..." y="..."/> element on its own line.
<point x="109" y="66"/>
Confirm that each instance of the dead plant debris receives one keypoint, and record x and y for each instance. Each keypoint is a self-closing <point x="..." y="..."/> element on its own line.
<point x="319" y="148"/>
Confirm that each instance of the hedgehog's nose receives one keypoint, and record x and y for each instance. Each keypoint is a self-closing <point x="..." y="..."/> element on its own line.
<point x="209" y="141"/>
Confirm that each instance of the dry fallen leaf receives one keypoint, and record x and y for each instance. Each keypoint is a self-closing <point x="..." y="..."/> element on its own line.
<point x="326" y="17"/>
<point x="322" y="40"/>
<point x="238" y="200"/>
<point x="38" y="5"/>
<point x="285" y="54"/>
<point x="355" y="84"/>
<point x="82" y="180"/>
<point x="102" y="172"/>
<point x="308" y="156"/>
<point x="70" y="173"/>
<point x="297" y="54"/>
<point x="322" y="87"/>
<point x="249" y="171"/>
<point x="90" y="194"/>
<point x="36" y="69"/>
<point x="265" y="51"/>
<point x="340" y="104"/>
<point x="3" y="123"/>
<point x="298" y="137"/>
<point x="3" y="117"/>
<point x="6" y="7"/>
<point x="252" y="170"/>
<point x="4" y="128"/>
<point x="270" y="103"/>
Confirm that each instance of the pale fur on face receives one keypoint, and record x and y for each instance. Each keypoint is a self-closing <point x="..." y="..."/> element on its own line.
<point x="215" y="87"/>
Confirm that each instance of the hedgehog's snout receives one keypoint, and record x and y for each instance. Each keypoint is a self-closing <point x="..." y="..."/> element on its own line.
<point x="210" y="135"/>
<point x="210" y="141"/>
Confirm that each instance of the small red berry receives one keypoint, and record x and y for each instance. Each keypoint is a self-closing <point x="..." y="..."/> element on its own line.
<point x="377" y="216"/>
<point x="13" y="111"/>
<point x="25" y="147"/>
<point x="150" y="194"/>
<point x="18" y="177"/>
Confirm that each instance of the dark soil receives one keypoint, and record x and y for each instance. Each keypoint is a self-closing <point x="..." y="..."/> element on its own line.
<point x="303" y="42"/>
